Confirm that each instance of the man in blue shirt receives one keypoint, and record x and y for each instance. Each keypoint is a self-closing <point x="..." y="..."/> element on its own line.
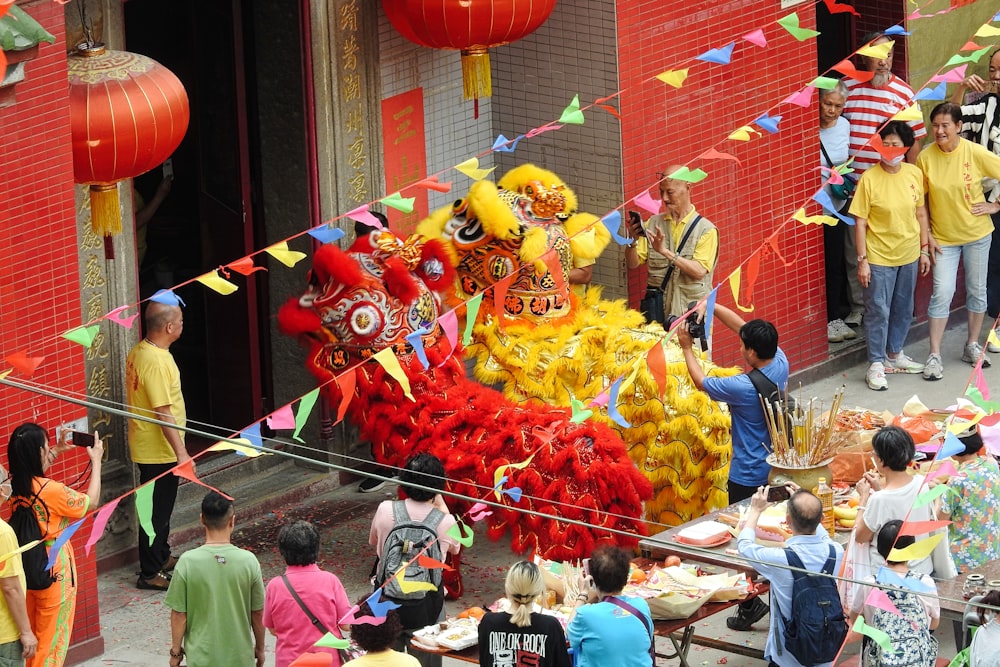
<point x="748" y="468"/>
<point x="811" y="544"/>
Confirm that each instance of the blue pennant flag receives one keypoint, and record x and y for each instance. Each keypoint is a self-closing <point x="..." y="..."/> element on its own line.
<point x="416" y="341"/>
<point x="721" y="55"/>
<point x="326" y="234"/>
<point x="167" y="297"/>
<point x="613" y="221"/>
<point x="505" y="145"/>
<point x="61" y="540"/>
<point x="823" y="199"/>
<point x="252" y="433"/>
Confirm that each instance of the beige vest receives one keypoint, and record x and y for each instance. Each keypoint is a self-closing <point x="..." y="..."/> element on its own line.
<point x="681" y="289"/>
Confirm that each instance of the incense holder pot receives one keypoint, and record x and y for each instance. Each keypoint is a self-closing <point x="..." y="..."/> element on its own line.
<point x="806" y="477"/>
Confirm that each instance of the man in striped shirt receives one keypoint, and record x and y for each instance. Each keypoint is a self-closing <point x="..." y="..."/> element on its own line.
<point x="981" y="125"/>
<point x="870" y="105"/>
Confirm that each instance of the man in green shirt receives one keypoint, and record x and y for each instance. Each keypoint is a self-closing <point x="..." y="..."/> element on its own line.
<point x="217" y="597"/>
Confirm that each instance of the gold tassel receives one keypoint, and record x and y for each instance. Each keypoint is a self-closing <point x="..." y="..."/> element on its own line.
<point x="476" y="79"/>
<point x="105" y="213"/>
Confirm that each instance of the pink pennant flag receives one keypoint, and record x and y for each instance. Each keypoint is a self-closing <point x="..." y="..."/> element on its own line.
<point x="956" y="75"/>
<point x="946" y="468"/>
<point x="980" y="381"/>
<point x="541" y="130"/>
<point x="118" y="317"/>
<point x="647" y="203"/>
<point x="346" y="381"/>
<point x="756" y="38"/>
<point x="351" y="618"/>
<point x="712" y="154"/>
<point x="449" y="324"/>
<point x="878" y="598"/>
<point x="100" y="521"/>
<point x="363" y="215"/>
<point x="281" y="419"/>
<point x="602" y="398"/>
<point x="479" y="511"/>
<point x="803" y="98"/>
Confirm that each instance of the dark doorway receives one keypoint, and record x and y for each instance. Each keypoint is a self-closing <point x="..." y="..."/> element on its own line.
<point x="213" y="214"/>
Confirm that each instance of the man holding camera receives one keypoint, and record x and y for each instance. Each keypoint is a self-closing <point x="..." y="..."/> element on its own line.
<point x="685" y="248"/>
<point x="748" y="467"/>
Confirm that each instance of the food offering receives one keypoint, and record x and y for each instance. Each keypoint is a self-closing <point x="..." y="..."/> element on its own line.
<point x="846" y="512"/>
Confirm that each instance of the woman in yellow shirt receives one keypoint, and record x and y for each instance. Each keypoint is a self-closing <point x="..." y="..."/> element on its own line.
<point x="891" y="232"/>
<point x="961" y="228"/>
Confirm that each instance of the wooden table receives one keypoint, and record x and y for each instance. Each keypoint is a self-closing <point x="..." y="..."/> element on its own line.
<point x="952" y="601"/>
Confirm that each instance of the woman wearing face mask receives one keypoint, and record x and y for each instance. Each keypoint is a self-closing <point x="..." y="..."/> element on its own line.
<point x="891" y="232"/>
<point x="983" y="650"/>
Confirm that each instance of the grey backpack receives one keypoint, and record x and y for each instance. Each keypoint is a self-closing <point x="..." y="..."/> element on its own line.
<point x="406" y="540"/>
<point x="913" y="645"/>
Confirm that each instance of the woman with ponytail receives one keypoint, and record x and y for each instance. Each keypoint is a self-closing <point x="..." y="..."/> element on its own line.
<point x="505" y="636"/>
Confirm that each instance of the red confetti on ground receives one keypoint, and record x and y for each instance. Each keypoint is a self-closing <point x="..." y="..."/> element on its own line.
<point x="723" y="661"/>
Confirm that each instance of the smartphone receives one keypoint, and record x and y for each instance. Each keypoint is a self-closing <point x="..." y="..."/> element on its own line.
<point x="168" y="168"/>
<point x="81" y="439"/>
<point x="775" y="494"/>
<point x="632" y="215"/>
<point x="586" y="567"/>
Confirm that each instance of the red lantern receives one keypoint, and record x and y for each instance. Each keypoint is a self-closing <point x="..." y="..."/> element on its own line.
<point x="128" y="113"/>
<point x="470" y="26"/>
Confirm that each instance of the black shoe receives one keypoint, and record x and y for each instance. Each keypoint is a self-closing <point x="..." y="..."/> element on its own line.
<point x="159" y="582"/>
<point x="748" y="614"/>
<point x="371" y="484"/>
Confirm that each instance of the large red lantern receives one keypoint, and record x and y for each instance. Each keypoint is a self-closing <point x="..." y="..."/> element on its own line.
<point x="128" y="113"/>
<point x="469" y="26"/>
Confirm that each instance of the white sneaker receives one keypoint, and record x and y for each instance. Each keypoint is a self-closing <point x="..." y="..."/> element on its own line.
<point x="848" y="331"/>
<point x="933" y="368"/>
<point x="875" y="377"/>
<point x="854" y="318"/>
<point x="971" y="354"/>
<point x="903" y="364"/>
<point x="834" y="333"/>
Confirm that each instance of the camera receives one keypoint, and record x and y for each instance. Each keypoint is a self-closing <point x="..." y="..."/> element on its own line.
<point x="695" y="327"/>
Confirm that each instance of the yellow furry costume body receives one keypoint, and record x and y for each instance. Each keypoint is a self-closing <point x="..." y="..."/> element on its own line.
<point x="548" y="344"/>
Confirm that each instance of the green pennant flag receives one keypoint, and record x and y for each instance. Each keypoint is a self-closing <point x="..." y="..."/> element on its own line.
<point x="144" y="508"/>
<point x="580" y="413"/>
<point x="791" y="24"/>
<point x="928" y="496"/>
<point x="572" y="115"/>
<point x="399" y="202"/>
<point x="471" y="311"/>
<point x="329" y="640"/>
<point x="691" y="176"/>
<point x="457" y="533"/>
<point x="305" y="408"/>
<point x="825" y="82"/>
<point x="83" y="335"/>
<point x="876" y="635"/>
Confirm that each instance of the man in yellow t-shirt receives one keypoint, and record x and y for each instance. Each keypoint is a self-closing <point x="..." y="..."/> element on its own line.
<point x="17" y="641"/>
<point x="153" y="389"/>
<point x="690" y="265"/>
<point x="961" y="228"/>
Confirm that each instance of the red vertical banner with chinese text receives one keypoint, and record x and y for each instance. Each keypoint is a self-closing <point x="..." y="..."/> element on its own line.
<point x="405" y="155"/>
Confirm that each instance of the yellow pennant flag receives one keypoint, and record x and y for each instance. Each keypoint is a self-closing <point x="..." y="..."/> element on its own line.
<point x="5" y="373"/>
<point x="917" y="550"/>
<point x="986" y="30"/>
<point x="801" y="216"/>
<point x="673" y="77"/>
<point x="912" y="112"/>
<point x="630" y="379"/>
<point x="471" y="169"/>
<point x="214" y="281"/>
<point x="993" y="338"/>
<point x="30" y="545"/>
<point x="387" y="358"/>
<point x="879" y="51"/>
<point x="743" y="133"/>
<point x="287" y="257"/>
<point x="957" y="427"/>
<point x="499" y="473"/>
<point x="246" y="450"/>
<point x="412" y="586"/>
<point x="734" y="284"/>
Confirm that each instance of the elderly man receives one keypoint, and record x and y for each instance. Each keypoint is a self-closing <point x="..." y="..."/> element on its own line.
<point x="216" y="597"/>
<point x="809" y="548"/>
<point x="153" y="390"/>
<point x="870" y="104"/>
<point x="981" y="125"/>
<point x="685" y="248"/>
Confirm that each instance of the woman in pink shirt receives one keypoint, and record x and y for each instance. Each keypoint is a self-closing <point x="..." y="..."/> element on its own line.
<point x="318" y="591"/>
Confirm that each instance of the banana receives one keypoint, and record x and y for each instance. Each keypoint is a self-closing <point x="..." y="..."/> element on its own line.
<point x="846" y="523"/>
<point x="845" y="512"/>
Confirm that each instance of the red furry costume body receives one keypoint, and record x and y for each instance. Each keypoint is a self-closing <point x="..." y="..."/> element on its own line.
<point x="374" y="296"/>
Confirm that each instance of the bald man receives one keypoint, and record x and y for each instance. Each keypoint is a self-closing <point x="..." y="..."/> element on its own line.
<point x="681" y="248"/>
<point x="153" y="386"/>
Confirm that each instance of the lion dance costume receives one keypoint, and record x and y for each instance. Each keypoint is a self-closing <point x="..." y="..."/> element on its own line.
<point x="383" y="290"/>
<point x="540" y="341"/>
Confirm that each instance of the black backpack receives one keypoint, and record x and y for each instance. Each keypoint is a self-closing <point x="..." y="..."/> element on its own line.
<point x="777" y="402"/>
<point x="816" y="628"/>
<point x="35" y="561"/>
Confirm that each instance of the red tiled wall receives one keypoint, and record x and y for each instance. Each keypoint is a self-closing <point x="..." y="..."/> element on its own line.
<point x="39" y="283"/>
<point x="664" y="125"/>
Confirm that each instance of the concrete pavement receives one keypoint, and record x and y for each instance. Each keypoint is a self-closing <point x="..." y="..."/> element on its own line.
<point x="135" y="624"/>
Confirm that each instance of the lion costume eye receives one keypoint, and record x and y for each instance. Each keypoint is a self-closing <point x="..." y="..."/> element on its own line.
<point x="365" y="320"/>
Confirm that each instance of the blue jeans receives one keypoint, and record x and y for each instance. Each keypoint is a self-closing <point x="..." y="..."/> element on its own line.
<point x="889" y="308"/>
<point x="975" y="256"/>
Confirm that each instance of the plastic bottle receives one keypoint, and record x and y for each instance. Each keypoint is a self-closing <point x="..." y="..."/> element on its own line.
<point x="824" y="492"/>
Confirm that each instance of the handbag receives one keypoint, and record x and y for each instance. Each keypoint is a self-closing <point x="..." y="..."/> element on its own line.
<point x="651" y="305"/>
<point x="345" y="654"/>
<point x="843" y="190"/>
